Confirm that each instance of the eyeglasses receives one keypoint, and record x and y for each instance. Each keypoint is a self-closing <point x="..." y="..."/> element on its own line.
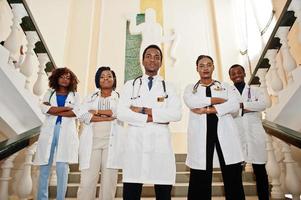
<point x="65" y="77"/>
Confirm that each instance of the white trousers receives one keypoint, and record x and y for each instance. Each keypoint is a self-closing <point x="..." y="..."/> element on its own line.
<point x="90" y="176"/>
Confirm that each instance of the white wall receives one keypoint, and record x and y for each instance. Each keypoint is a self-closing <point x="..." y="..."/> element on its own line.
<point x="227" y="38"/>
<point x="191" y="20"/>
<point x="113" y="35"/>
<point x="79" y="39"/>
<point x="52" y="19"/>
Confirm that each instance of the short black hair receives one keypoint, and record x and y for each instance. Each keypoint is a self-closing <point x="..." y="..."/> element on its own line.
<point x="98" y="74"/>
<point x="154" y="47"/>
<point x="236" y="65"/>
<point x="201" y="57"/>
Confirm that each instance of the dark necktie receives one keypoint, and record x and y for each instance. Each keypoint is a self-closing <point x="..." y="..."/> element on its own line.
<point x="150" y="82"/>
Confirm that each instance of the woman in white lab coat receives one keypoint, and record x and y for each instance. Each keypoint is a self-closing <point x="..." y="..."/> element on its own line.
<point x="97" y="137"/>
<point x="147" y="104"/>
<point x="212" y="128"/>
<point x="252" y="134"/>
<point x="58" y="138"/>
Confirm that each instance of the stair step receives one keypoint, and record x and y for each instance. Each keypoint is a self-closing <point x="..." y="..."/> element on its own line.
<point x="181" y="177"/>
<point x="180" y="164"/>
<point x="173" y="198"/>
<point x="179" y="189"/>
<point x="180" y="167"/>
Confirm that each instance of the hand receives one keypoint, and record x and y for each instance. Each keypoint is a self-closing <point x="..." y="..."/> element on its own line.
<point x="136" y="109"/>
<point x="68" y="108"/>
<point x="94" y="112"/>
<point x="217" y="100"/>
<point x="199" y="110"/>
<point x="109" y="118"/>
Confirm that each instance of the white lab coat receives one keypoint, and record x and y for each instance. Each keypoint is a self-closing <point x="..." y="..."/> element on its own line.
<point x="251" y="131"/>
<point x="149" y="157"/>
<point x="227" y="131"/>
<point x="67" y="149"/>
<point x="86" y="134"/>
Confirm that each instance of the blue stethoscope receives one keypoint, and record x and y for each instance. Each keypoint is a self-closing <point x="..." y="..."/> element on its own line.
<point x="138" y="90"/>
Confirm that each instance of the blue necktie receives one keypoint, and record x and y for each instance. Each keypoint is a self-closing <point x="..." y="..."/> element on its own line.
<point x="150" y="82"/>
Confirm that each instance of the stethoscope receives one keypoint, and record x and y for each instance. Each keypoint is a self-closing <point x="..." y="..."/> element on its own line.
<point x="195" y="87"/>
<point x="249" y="95"/>
<point x="97" y="94"/>
<point x="139" y="87"/>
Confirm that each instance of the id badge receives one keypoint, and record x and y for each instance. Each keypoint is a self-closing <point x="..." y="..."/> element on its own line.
<point x="160" y="99"/>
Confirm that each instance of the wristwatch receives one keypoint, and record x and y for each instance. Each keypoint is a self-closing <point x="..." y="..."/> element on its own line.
<point x="143" y="110"/>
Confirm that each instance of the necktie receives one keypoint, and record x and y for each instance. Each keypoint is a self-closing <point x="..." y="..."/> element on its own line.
<point x="150" y="82"/>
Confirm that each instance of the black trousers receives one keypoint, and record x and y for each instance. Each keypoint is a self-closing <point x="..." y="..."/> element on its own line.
<point x="200" y="182"/>
<point x="262" y="183"/>
<point x="132" y="191"/>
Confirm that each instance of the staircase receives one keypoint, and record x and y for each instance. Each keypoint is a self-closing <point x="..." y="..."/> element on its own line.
<point x="179" y="190"/>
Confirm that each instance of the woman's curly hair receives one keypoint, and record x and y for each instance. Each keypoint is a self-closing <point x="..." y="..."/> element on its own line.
<point x="57" y="73"/>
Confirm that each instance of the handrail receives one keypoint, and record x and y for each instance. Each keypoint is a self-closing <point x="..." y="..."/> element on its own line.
<point x="286" y="18"/>
<point x="288" y="135"/>
<point x="29" y="24"/>
<point x="13" y="145"/>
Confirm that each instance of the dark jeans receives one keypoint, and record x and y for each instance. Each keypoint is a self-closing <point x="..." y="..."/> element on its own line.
<point x="132" y="191"/>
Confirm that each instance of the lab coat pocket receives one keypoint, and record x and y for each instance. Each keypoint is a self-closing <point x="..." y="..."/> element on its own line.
<point x="163" y="141"/>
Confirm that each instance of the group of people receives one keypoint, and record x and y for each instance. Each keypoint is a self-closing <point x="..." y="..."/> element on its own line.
<point x="224" y="121"/>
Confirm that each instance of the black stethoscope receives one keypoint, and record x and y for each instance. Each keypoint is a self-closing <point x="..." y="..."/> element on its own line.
<point x="96" y="94"/>
<point x="195" y="87"/>
<point x="138" y="90"/>
<point x="249" y="95"/>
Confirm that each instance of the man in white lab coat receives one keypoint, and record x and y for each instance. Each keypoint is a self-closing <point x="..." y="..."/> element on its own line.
<point x="212" y="128"/>
<point x="252" y="134"/>
<point x="148" y="104"/>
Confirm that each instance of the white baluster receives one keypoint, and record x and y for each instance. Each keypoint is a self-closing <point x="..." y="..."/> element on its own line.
<point x="14" y="41"/>
<point x="5" y="177"/>
<point x="296" y="7"/>
<point x="35" y="180"/>
<point x="289" y="63"/>
<point x="261" y="74"/>
<point x="5" y="20"/>
<point x="292" y="181"/>
<point x="276" y="82"/>
<point x="29" y="63"/>
<point x="273" y="171"/>
<point x="24" y="187"/>
<point x="282" y="177"/>
<point x="41" y="83"/>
